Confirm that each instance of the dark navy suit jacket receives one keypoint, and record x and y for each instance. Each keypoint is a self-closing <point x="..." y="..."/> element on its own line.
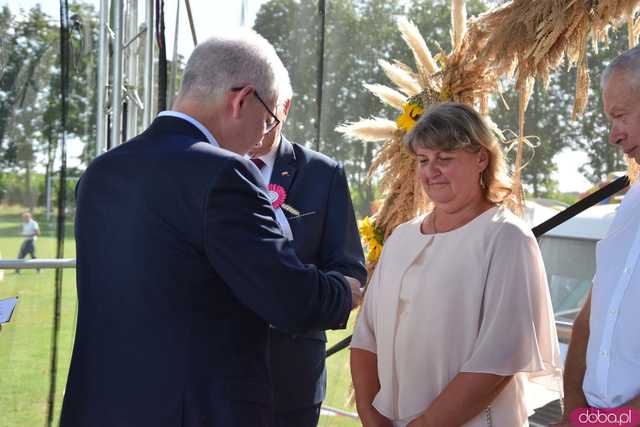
<point x="181" y="267"/>
<point x="326" y="235"/>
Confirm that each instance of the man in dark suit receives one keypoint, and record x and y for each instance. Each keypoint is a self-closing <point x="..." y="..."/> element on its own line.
<point x="320" y="214"/>
<point x="182" y="265"/>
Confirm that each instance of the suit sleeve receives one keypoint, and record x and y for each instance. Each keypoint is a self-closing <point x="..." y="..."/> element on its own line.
<point x="341" y="246"/>
<point x="246" y="247"/>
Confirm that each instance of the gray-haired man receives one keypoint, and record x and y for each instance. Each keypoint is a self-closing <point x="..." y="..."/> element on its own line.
<point x="603" y="360"/>
<point x="174" y="311"/>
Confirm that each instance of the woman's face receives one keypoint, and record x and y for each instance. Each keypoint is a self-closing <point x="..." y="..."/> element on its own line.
<point x="451" y="179"/>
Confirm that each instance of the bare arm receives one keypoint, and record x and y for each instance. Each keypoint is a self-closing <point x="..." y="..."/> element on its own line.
<point x="576" y="362"/>
<point x="466" y="396"/>
<point x="364" y="372"/>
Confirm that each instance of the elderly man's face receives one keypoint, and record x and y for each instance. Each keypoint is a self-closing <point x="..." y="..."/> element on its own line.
<point x="622" y="105"/>
<point x="269" y="142"/>
<point x="272" y="139"/>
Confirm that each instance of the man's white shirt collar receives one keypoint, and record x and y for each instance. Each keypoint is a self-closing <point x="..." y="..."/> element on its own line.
<point x="200" y="126"/>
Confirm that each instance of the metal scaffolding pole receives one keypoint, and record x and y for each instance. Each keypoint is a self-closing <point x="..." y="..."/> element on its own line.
<point x="132" y="72"/>
<point x="174" y="62"/>
<point x="147" y="115"/>
<point x="103" y="78"/>
<point x="116" y="89"/>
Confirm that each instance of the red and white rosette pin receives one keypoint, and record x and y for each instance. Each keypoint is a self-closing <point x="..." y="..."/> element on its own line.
<point x="276" y="195"/>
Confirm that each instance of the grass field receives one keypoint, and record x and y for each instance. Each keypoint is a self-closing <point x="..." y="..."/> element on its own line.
<point x="26" y="342"/>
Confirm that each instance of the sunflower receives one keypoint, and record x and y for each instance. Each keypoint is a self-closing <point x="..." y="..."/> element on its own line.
<point x="411" y="112"/>
<point x="372" y="237"/>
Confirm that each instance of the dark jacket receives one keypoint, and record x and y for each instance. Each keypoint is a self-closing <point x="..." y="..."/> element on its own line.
<point x="181" y="267"/>
<point x="326" y="235"/>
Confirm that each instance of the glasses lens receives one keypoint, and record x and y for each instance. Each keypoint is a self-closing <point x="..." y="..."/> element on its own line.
<point x="271" y="122"/>
<point x="270" y="126"/>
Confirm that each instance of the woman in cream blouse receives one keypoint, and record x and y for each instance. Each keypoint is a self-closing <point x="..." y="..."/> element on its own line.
<point x="457" y="326"/>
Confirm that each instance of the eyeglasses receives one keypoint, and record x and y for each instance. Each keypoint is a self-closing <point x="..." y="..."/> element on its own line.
<point x="269" y="125"/>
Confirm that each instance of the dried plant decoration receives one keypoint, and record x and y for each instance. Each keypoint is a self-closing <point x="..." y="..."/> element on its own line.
<point x="521" y="39"/>
<point x="458" y="23"/>
<point x="370" y="130"/>
<point x="424" y="60"/>
<point x="387" y="95"/>
<point x="401" y="77"/>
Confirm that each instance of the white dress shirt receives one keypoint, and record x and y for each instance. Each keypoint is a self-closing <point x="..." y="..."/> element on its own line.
<point x="613" y="354"/>
<point x="269" y="160"/>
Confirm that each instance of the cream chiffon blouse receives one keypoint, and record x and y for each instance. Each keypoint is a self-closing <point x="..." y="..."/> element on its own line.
<point x="474" y="299"/>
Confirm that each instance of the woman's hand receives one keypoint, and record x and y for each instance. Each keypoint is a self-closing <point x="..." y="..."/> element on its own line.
<point x="373" y="418"/>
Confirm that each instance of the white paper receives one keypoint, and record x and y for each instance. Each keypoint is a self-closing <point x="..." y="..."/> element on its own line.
<point x="6" y="308"/>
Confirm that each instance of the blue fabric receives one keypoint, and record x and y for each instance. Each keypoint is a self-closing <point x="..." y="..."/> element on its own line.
<point x="181" y="267"/>
<point x="304" y="417"/>
<point x="27" y="247"/>
<point x="326" y="235"/>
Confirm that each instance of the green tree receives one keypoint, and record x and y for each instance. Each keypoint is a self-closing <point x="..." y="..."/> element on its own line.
<point x="593" y="131"/>
<point x="31" y="50"/>
<point x="30" y="105"/>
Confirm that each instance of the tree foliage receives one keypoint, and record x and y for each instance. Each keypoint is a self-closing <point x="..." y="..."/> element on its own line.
<point x="30" y="97"/>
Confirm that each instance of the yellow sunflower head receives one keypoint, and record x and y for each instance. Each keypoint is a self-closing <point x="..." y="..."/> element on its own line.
<point x="373" y="238"/>
<point x="411" y="112"/>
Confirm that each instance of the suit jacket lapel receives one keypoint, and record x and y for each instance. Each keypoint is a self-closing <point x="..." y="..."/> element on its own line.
<point x="285" y="167"/>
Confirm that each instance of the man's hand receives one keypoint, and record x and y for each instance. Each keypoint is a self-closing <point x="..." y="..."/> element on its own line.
<point x="356" y="292"/>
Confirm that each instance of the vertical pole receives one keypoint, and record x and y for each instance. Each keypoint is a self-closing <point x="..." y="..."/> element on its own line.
<point x="103" y="78"/>
<point x="62" y="201"/>
<point x="174" y="62"/>
<point x="147" y="114"/>
<point x="320" y="76"/>
<point x="132" y="72"/>
<point x="116" y="89"/>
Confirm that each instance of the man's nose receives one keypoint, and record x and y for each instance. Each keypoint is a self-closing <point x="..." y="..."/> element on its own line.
<point x="615" y="137"/>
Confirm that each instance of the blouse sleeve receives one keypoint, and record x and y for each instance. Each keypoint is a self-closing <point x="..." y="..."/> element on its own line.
<point x="364" y="333"/>
<point x="517" y="329"/>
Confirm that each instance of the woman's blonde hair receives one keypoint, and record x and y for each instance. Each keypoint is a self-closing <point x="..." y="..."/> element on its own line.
<point x="453" y="126"/>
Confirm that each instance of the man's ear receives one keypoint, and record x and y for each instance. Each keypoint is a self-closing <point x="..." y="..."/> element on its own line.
<point x="285" y="109"/>
<point x="237" y="100"/>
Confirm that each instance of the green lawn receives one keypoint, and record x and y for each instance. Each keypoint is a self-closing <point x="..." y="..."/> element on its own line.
<point x="25" y="343"/>
<point x="339" y="381"/>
